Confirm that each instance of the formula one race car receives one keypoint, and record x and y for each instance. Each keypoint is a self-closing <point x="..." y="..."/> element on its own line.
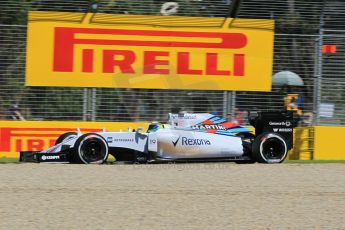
<point x="186" y="137"/>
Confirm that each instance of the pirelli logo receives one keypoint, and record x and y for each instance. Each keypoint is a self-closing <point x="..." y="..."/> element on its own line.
<point x="14" y="139"/>
<point x="143" y="56"/>
<point x="16" y="136"/>
<point x="154" y="62"/>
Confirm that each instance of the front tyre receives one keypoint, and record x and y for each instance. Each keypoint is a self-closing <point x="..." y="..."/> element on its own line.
<point x="66" y="136"/>
<point x="270" y="148"/>
<point x="90" y="148"/>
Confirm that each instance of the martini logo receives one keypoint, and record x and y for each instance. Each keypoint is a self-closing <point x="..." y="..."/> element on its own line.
<point x="216" y="127"/>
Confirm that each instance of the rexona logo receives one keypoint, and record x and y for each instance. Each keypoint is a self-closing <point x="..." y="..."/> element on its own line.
<point x="192" y="141"/>
<point x="128" y="54"/>
<point x="175" y="142"/>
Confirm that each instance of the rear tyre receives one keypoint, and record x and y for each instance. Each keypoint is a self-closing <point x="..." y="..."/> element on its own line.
<point x="65" y="137"/>
<point x="269" y="148"/>
<point x="90" y="148"/>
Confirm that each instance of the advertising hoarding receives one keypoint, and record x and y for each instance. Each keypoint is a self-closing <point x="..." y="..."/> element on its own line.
<point x="82" y="50"/>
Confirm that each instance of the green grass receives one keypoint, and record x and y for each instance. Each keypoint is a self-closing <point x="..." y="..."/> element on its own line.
<point x="8" y="160"/>
<point x="313" y="161"/>
<point x="4" y="160"/>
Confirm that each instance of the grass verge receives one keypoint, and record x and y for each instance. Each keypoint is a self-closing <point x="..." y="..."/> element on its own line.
<point x="8" y="160"/>
<point x="313" y="161"/>
<point x="4" y="160"/>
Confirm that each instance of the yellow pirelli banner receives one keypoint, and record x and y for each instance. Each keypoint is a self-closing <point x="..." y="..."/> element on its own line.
<point x="329" y="143"/>
<point x="16" y="136"/>
<point x="157" y="52"/>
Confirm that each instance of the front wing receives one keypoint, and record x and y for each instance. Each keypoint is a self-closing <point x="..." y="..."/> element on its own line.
<point x="31" y="156"/>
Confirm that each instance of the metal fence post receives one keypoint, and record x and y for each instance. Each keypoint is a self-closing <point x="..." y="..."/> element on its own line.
<point x="225" y="103"/>
<point x="233" y="102"/>
<point x="229" y="103"/>
<point x="318" y="72"/>
<point x="89" y="104"/>
<point x="93" y="104"/>
<point x="85" y="104"/>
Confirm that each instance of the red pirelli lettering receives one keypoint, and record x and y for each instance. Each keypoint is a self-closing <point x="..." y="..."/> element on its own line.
<point x="211" y="65"/>
<point x="31" y="139"/>
<point x="239" y="64"/>
<point x="65" y="40"/>
<point x="35" y="144"/>
<point x="183" y="65"/>
<point x="151" y="61"/>
<point x="88" y="60"/>
<point x="123" y="59"/>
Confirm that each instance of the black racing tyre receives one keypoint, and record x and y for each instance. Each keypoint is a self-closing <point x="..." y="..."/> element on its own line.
<point x="90" y="148"/>
<point x="270" y="148"/>
<point x="65" y="136"/>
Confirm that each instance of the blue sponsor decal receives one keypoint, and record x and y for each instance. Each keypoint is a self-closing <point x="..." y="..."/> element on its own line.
<point x="231" y="132"/>
<point x="217" y="120"/>
<point x="226" y="133"/>
<point x="238" y="130"/>
<point x="109" y="139"/>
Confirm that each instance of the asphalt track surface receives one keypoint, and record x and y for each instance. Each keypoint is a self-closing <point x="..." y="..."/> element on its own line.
<point x="172" y="196"/>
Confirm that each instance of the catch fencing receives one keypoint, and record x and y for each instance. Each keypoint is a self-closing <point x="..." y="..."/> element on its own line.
<point x="302" y="28"/>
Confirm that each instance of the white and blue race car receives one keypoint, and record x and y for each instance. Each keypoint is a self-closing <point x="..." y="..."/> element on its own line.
<point x="186" y="137"/>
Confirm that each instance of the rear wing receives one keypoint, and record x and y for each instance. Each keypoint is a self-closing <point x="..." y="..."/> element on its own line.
<point x="280" y="122"/>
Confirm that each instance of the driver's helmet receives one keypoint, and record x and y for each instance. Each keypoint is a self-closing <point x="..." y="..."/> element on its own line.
<point x="154" y="126"/>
